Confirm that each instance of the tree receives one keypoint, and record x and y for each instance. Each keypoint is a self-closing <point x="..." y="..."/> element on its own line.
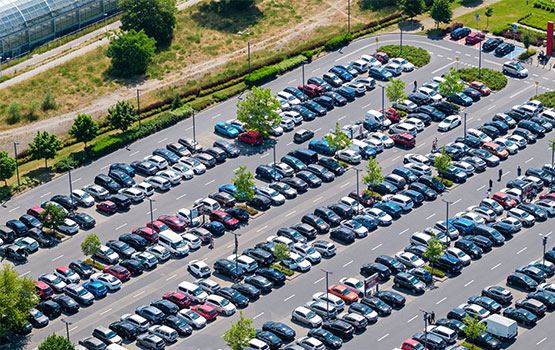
<point x="91" y="245"/>
<point x="122" y="115"/>
<point x="442" y="162"/>
<point x="258" y="110"/>
<point x="413" y="7"/>
<point x="48" y="102"/>
<point x="130" y="52"/>
<point x="155" y="17"/>
<point x="44" y="146"/>
<point x="489" y="13"/>
<point x="17" y="297"/>
<point x="441" y="12"/>
<point x="281" y="252"/>
<point x="452" y="84"/>
<point x="14" y="113"/>
<point x="474" y="328"/>
<point x="56" y="342"/>
<point x="176" y="103"/>
<point x="32" y="110"/>
<point x="337" y="139"/>
<point x="52" y="216"/>
<point x="84" y="129"/>
<point x="244" y="181"/>
<point x="526" y="39"/>
<point x="238" y="336"/>
<point x="7" y="166"/>
<point x="373" y="174"/>
<point x="395" y="91"/>
<point x="433" y="251"/>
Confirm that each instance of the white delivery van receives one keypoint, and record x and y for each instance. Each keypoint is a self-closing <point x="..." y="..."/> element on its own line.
<point x="173" y="242"/>
<point x="501" y="327"/>
<point x="194" y="292"/>
<point x="374" y="116"/>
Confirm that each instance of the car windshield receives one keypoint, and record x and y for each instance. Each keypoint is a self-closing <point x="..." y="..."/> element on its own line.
<point x="81" y="291"/>
<point x="193" y="315"/>
<point x="310" y="250"/>
<point x="224" y="302"/>
<point x="310" y="314"/>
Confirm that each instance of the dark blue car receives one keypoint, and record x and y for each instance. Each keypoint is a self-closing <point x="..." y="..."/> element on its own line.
<point x="461" y="99"/>
<point x="460" y="33"/>
<point x="126" y="168"/>
<point x="321" y="146"/>
<point x="464" y="226"/>
<point x="380" y="73"/>
<point x="341" y="73"/>
<point x="168" y="155"/>
<point x="390" y="208"/>
<point x="367" y="221"/>
<point x="268" y="173"/>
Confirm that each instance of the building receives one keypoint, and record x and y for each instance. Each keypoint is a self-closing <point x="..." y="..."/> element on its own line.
<point x="25" y="24"/>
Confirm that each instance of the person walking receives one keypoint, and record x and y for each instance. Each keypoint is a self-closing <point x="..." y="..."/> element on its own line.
<point x="211" y="246"/>
<point x="500" y="174"/>
<point x="415" y="86"/>
<point x="433" y="318"/>
<point x="518" y="171"/>
<point x="490" y="184"/>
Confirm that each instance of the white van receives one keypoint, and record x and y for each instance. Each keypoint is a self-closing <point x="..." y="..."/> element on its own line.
<point x="420" y="238"/>
<point x="374" y="116"/>
<point x="501" y="327"/>
<point x="168" y="334"/>
<point x="173" y="242"/>
<point x="208" y="205"/>
<point x="401" y="200"/>
<point x="404" y="128"/>
<point x="360" y="65"/>
<point x="194" y="292"/>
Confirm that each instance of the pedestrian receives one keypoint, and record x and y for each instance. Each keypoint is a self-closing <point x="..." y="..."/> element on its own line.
<point x="487" y="193"/>
<point x="490" y="184"/>
<point x="211" y="246"/>
<point x="415" y="86"/>
<point x="500" y="174"/>
<point x="518" y="171"/>
<point x="433" y="318"/>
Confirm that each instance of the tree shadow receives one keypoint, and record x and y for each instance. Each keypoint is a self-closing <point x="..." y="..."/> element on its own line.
<point x="217" y="16"/>
<point x="471" y="3"/>
<point x="43" y="174"/>
<point x="411" y="25"/>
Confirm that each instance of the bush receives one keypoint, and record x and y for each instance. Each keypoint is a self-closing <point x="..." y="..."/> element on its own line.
<point x="261" y="75"/>
<point x="373" y="194"/>
<point x="63" y="164"/>
<point x="287" y="272"/>
<point x="415" y="55"/>
<point x="338" y="42"/>
<point x="289" y="64"/>
<point x="547" y="5"/>
<point x="435" y="272"/>
<point x="308" y="54"/>
<point x="94" y="264"/>
<point x="527" y="54"/>
<point x="343" y="164"/>
<point x="447" y="183"/>
<point x="229" y="92"/>
<point x="470" y="346"/>
<point x="535" y="20"/>
<point x="493" y="79"/>
<point x="249" y="210"/>
<point x="548" y="99"/>
<point x="506" y="31"/>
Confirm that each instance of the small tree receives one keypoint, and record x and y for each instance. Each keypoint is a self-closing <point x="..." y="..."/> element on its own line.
<point x="433" y="251"/>
<point x="48" y="102"/>
<point x="489" y="13"/>
<point x="176" y="103"/>
<point x="441" y="12"/>
<point x="32" y="111"/>
<point x="526" y="39"/>
<point x="337" y="140"/>
<point x="373" y="174"/>
<point x="122" y="115"/>
<point x="56" y="342"/>
<point x="413" y="7"/>
<point x="244" y="181"/>
<point x="452" y="84"/>
<point x="474" y="328"/>
<point x="155" y="17"/>
<point x="7" y="167"/>
<point x="91" y="245"/>
<point x="130" y="52"/>
<point x="281" y="252"/>
<point x="258" y="110"/>
<point x="17" y="297"/>
<point x="442" y="162"/>
<point x="395" y="91"/>
<point x="14" y="113"/>
<point x="84" y="129"/>
<point x="52" y="216"/>
<point x="238" y="336"/>
<point x="44" y="146"/>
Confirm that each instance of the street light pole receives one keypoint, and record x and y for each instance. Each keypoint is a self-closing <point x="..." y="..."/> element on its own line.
<point x="67" y="327"/>
<point x="139" y="107"/>
<point x="194" y="126"/>
<point x="303" y="63"/>
<point x="150" y="200"/>
<point x="465" y="128"/>
<point x="349" y="16"/>
<point x="358" y="193"/>
<point x="480" y="61"/>
<point x="426" y="314"/>
<point x="17" y="165"/>
<point x="552" y="144"/>
<point x="235" y="235"/>
<point x="249" y="52"/>
<point x="383" y="97"/>
<point x="274" y="164"/>
<point x="327" y="293"/>
<point x="70" y="186"/>
<point x="401" y="39"/>
<point x="544" y="243"/>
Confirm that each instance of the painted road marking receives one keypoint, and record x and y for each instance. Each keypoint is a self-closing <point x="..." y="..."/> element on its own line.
<point x="257" y="316"/>
<point x="382" y="338"/>
<point x="347" y="264"/>
<point x="289" y="297"/>
<point x="318" y="280"/>
<point x="376" y="247"/>
<point x="469" y="283"/>
<point x="262" y="228"/>
<point x="290" y="213"/>
<point x="412" y="319"/>
<point x="441" y="301"/>
<point x="496" y="266"/>
<point x="13" y="209"/>
<point x="58" y="257"/>
<point x="121" y="226"/>
<point x="171" y="277"/>
<point x="105" y="311"/>
<point x="209" y="182"/>
<point x="520" y="251"/>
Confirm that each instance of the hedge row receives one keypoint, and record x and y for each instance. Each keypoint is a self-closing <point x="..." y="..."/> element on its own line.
<point x="507" y="32"/>
<point x="338" y="42"/>
<point x="493" y="79"/>
<point x="548" y="99"/>
<point x="283" y="269"/>
<point x="527" y="54"/>
<point x="547" y="5"/>
<point x="264" y="74"/>
<point x="435" y="272"/>
<point x="415" y="55"/>
<point x="447" y="183"/>
<point x="534" y="20"/>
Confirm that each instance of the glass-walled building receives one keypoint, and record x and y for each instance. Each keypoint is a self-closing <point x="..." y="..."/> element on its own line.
<point x="25" y="24"/>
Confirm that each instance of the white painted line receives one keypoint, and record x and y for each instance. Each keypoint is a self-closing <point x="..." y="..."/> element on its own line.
<point x="345" y="185"/>
<point x="216" y="116"/>
<point x="46" y="194"/>
<point x="290" y="213"/>
<point x="443" y="67"/>
<point x="234" y="170"/>
<point x="139" y="294"/>
<point x="291" y="81"/>
<point x="264" y="155"/>
<point x="457" y="52"/>
<point x="480" y="188"/>
<point x="441" y="301"/>
<point x="365" y="106"/>
<point x="317" y="129"/>
<point x="493" y="62"/>
<point x="105" y="311"/>
<point x="74" y="181"/>
<point x="376" y="247"/>
<point x="257" y="316"/>
<point x="14" y="209"/>
<point x="534" y="74"/>
<point x="104" y="167"/>
<point x="496" y="266"/>
<point x="262" y="228"/>
<point x="153" y="210"/>
<point x="162" y="140"/>
<point x="438" y="55"/>
<point x="290" y="143"/>
<point x="132" y="154"/>
<point x="469" y="119"/>
<point x="289" y="297"/>
<point x="183" y="195"/>
<point x="492" y="107"/>
<point x="230" y="245"/>
<point x="315" y="70"/>
<point x="348" y="263"/>
<point x="541" y="341"/>
<point x="507" y="173"/>
<point x="353" y="52"/>
<point x="209" y="182"/>
<point x="412" y="319"/>
<point x="467" y="55"/>
<point x="529" y="160"/>
<point x="121" y="226"/>
<point x="189" y="128"/>
<point x="405" y="230"/>
<point x="520" y="91"/>
<point x="58" y="257"/>
<point x="457" y="201"/>
<point x="24" y="274"/>
<point x="449" y="58"/>
<point x="171" y="277"/>
<point x="317" y="199"/>
<point x="431" y="216"/>
<point x="74" y="328"/>
<point x="469" y="283"/>
<point x="545" y="78"/>
<point x="520" y="251"/>
<point x="318" y="280"/>
<point x="343" y="117"/>
<point x="550" y="232"/>
<point x="395" y="158"/>
<point x="382" y="338"/>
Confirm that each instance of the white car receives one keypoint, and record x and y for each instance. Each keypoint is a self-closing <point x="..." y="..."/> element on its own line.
<point x="98" y="192"/>
<point x="349" y="156"/>
<point x="287" y="124"/>
<point x="284" y="105"/>
<point x="168" y="334"/>
<point x="488" y="214"/>
<point x="221" y="304"/>
<point x="296" y="117"/>
<point x="282" y="168"/>
<point x="54" y="281"/>
<point x="419" y="169"/>
<point x="186" y="215"/>
<point x="208" y="285"/>
<point x="161" y="253"/>
<point x="401" y="200"/>
<point x="192" y="318"/>
<point x="172" y="176"/>
<point x="207" y="205"/>
<point x="307" y="251"/>
<point x="357" y="87"/>
<point x="449" y="123"/>
<point x="377" y="145"/>
<point x="330" y="298"/>
<point x="160" y="162"/>
<point x="479" y="134"/>
<point x="134" y="194"/>
<point x="274" y="196"/>
<point x="383" y="218"/>
<point x="380" y="136"/>
<point x="321" y="309"/>
<point x="158" y="183"/>
<point x="459" y="254"/>
<point x="199" y="268"/>
<point x="535" y="181"/>
<point x="368" y="82"/>
<point x="185" y="171"/>
<point x="147" y="259"/>
<point x="355" y="226"/>
<point x="307" y="317"/>
<point x="276" y="130"/>
<point x="111" y="282"/>
<point x="547" y="287"/>
<point x="511" y="147"/>
<point x="325" y="248"/>
<point x="138" y="321"/>
<point x="406" y="106"/>
<point x="406" y="65"/>
<point x="520" y="141"/>
<point x="431" y="93"/>
<point x="67" y="275"/>
<point x="82" y="197"/>
<point x="417" y="123"/>
<point x="547" y="205"/>
<point x="471" y="216"/>
<point x="465" y="167"/>
<point x="371" y="61"/>
<point x="395" y="68"/>
<point x="192" y="241"/>
<point x="416" y="158"/>
<point x="310" y="343"/>
<point x="245" y="262"/>
<point x="292" y="100"/>
<point x="351" y="202"/>
<point x="198" y="167"/>
<point x="409" y="260"/>
<point x="353" y="284"/>
<point x="438" y="79"/>
<point x="514" y="193"/>
<point x="475" y="310"/>
<point x="69" y="227"/>
<point x="522" y="216"/>
<point x="146" y="188"/>
<point x="297" y="262"/>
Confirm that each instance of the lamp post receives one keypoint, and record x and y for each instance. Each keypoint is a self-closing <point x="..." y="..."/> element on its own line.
<point x="304" y="62"/>
<point x="464" y="128"/>
<point x="446" y="215"/>
<point x="552" y="144"/>
<point x="544" y="243"/>
<point x="194" y="126"/>
<point x="236" y="251"/>
<point x="327" y="293"/>
<point x="401" y="39"/>
<point x="67" y="327"/>
<point x="426" y="315"/>
<point x="358" y="193"/>
<point x="249" y="53"/>
<point x="69" y="167"/>
<point x="150" y="200"/>
<point x="274" y="147"/>
<point x="105" y="27"/>
<point x="349" y="16"/>
<point x="17" y="165"/>
<point x="383" y="97"/>
<point x="139" y="107"/>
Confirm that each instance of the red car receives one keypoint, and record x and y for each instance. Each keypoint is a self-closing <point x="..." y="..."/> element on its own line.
<point x="411" y="344"/>
<point x="118" y="271"/>
<point x="173" y="222"/>
<point x="311" y="90"/>
<point x="147" y="233"/>
<point x="548" y="196"/>
<point x="504" y="199"/>
<point x="363" y="198"/>
<point x="43" y="290"/>
<point x="35" y="212"/>
<point x="381" y="56"/>
<point x="475" y="38"/>
<point x="108" y="207"/>
<point x="179" y="299"/>
<point x="158" y="226"/>
<point x="251" y="137"/>
<point x="344" y="293"/>
<point x="496" y="150"/>
<point x="480" y="87"/>
<point x="229" y="221"/>
<point x="391" y="114"/>
<point x="206" y="311"/>
<point x="404" y="140"/>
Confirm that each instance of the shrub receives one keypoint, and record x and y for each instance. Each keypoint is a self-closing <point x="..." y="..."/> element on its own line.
<point x="338" y="42"/>
<point x="535" y="20"/>
<point x="48" y="102"/>
<point x="435" y="272"/>
<point x="373" y="194"/>
<point x="94" y="264"/>
<point x="249" y="210"/>
<point x="63" y="164"/>
<point x="506" y="31"/>
<point x="415" y="55"/>
<point x="289" y="64"/>
<point x="202" y="102"/>
<point x="308" y="54"/>
<point x="470" y="346"/>
<point x="493" y="79"/>
<point x="527" y="54"/>
<point x="343" y="164"/>
<point x="548" y="99"/>
<point x="14" y="113"/>
<point x="229" y="92"/>
<point x="447" y="183"/>
<point x="261" y="75"/>
<point x="283" y="269"/>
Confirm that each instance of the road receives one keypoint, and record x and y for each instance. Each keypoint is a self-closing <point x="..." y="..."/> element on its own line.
<point x="151" y="285"/>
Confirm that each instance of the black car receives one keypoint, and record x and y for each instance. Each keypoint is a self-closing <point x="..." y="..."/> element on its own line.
<point x="490" y="233"/>
<point x="306" y="230"/>
<point x="469" y="248"/>
<point x="43" y="239"/>
<point x="65" y="201"/>
<point x="174" y="322"/>
<point x="448" y="264"/>
<point x="325" y="101"/>
<point x="83" y="269"/>
<point x="533" y="272"/>
<point x="331" y="165"/>
<point x="260" y="202"/>
<point x="84" y="220"/>
<point x="121" y="201"/>
<point x="144" y="167"/>
<point x="122" y="178"/>
<point x="14" y="226"/>
<point x="431" y="111"/>
<point x="504" y="49"/>
<point x="228" y="268"/>
<point x="372" y="268"/>
<point x="273" y="341"/>
<point x="422" y="274"/>
<point x="457" y="314"/>
<point x="219" y="154"/>
<point x="346" y="92"/>
<point x="166" y="306"/>
<point x="168" y="155"/>
<point x="419" y="98"/>
<point x="485" y="302"/>
<point x="383" y="188"/>
<point x="473" y="94"/>
<point x="339" y="328"/>
<point x="260" y="283"/>
<point x="489" y="130"/>
<point x="262" y="257"/>
<point x="327" y="215"/>
<point x="454" y="174"/>
<point x="37" y="318"/>
<point x="482" y="242"/>
<point x="272" y="275"/>
<point x="67" y="304"/>
<point x="50" y="309"/>
<point x="394" y="265"/>
<point x="234" y="296"/>
<point x="522" y="316"/>
<point x="126" y="330"/>
<point x="546" y="298"/>
<point x="298" y="184"/>
<point x="316" y="222"/>
<point x="521" y="280"/>
<point x="487" y="341"/>
<point x="123" y="249"/>
<point x="445" y="107"/>
<point x="491" y="44"/>
<point x="426" y="191"/>
<point x="151" y="313"/>
<point x="323" y="173"/>
<point x="470" y="141"/>
<point x="306" y="113"/>
<point x="230" y="150"/>
<point x="284" y="189"/>
<point x="392" y="209"/>
<point x="423" y="117"/>
<point x="377" y="305"/>
<point x="338" y="100"/>
<point x="409" y="282"/>
<point x="500" y="126"/>
<point x="134" y="240"/>
<point x="418" y="250"/>
<point x="107" y="182"/>
<point x="327" y="338"/>
<point x="303" y="135"/>
<point x="134" y="266"/>
<point x="247" y="290"/>
<point x="455" y="325"/>
<point x="309" y="178"/>
<point x="178" y="149"/>
<point x="432" y="182"/>
<point x="345" y="212"/>
<point x="433" y="342"/>
<point x="343" y="235"/>
<point x="314" y="107"/>
<point x="391" y="298"/>
<point x="14" y="253"/>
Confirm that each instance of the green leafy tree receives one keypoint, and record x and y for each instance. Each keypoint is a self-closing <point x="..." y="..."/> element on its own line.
<point x="442" y="162"/>
<point x="413" y="7"/>
<point x="281" y="252"/>
<point x="56" y="342"/>
<point x="526" y="39"/>
<point x="155" y="17"/>
<point x="489" y="13"/>
<point x="373" y="174"/>
<point x="131" y="52"/>
<point x="244" y="181"/>
<point x="433" y="251"/>
<point x="32" y="111"/>
<point x="441" y="12"/>
<point x="44" y="146"/>
<point x="84" y="128"/>
<point x="7" y="166"/>
<point x="337" y="139"/>
<point x="473" y="328"/>
<point x="91" y="245"/>
<point x="395" y="91"/>
<point x="52" y="216"/>
<point x="452" y="84"/>
<point x="176" y="103"/>
<point x="48" y="102"/>
<point x="122" y="115"/>
<point x="258" y="110"/>
<point x="238" y="336"/>
<point x="17" y="297"/>
<point x="14" y="113"/>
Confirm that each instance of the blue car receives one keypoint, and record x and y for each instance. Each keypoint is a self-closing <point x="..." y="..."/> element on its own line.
<point x="226" y="129"/>
<point x="168" y="155"/>
<point x="321" y="146"/>
<point x="215" y="227"/>
<point x="126" y="168"/>
<point x="460" y="98"/>
<point x="367" y="221"/>
<point x="465" y="227"/>
<point x="392" y="209"/>
<point x="380" y="73"/>
<point x="229" y="188"/>
<point x="268" y="173"/>
<point x="416" y="197"/>
<point x="98" y="289"/>
<point x="341" y="73"/>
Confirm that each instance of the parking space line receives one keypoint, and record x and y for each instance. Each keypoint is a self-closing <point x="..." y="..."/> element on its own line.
<point x="405" y="230"/>
<point x="315" y="70"/>
<point x="492" y="107"/>
<point x="541" y="341"/>
<point x="139" y="294"/>
<point x="317" y="199"/>
<point x="534" y="74"/>
<point x="257" y="316"/>
<point x="58" y="257"/>
<point x="289" y="297"/>
<point x="480" y="188"/>
<point x="343" y="117"/>
<point x="183" y="195"/>
<point x="345" y="185"/>
<point x="74" y="328"/>
<point x="290" y="143"/>
<point x="153" y="210"/>
<point x="520" y="91"/>
<point x="318" y="280"/>
<point x="209" y="182"/>
<point x="520" y="251"/>
<point x="317" y="129"/>
<point x="74" y="181"/>
<point x="442" y="67"/>
<point x="264" y="155"/>
<point x="441" y="300"/>
<point x="457" y="201"/>
<point x="14" y="209"/>
<point x="382" y="338"/>
<point x="104" y="167"/>
<point x="46" y="194"/>
<point x="376" y="247"/>
<point x="106" y="311"/>
<point x="24" y="274"/>
<point x="546" y="78"/>
<point x="467" y="55"/>
<point x="493" y="62"/>
<point x="171" y="277"/>
<point x="412" y="319"/>
<point x="363" y="107"/>
<point x="262" y="228"/>
<point x="496" y="266"/>
<point x="349" y="263"/>
<point x="189" y="128"/>
<point x="431" y="216"/>
<point x="457" y="52"/>
<point x="438" y="55"/>
<point x="395" y="158"/>
<point x="507" y="173"/>
<point x="291" y="81"/>
<point x="132" y="154"/>
<point x="121" y="226"/>
<point x="529" y="160"/>
<point x="216" y="116"/>
<point x="162" y="140"/>
<point x="230" y="245"/>
<point x="290" y="213"/>
<point x="469" y="283"/>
